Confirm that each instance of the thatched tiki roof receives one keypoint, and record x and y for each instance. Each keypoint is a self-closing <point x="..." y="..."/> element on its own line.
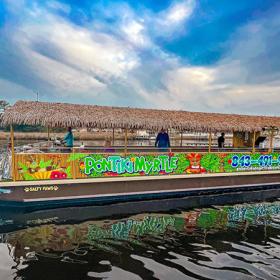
<point x="91" y="116"/>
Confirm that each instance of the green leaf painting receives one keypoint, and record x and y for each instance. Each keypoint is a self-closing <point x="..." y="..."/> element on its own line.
<point x="211" y="162"/>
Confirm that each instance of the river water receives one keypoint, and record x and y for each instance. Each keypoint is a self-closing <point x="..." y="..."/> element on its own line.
<point x="226" y="242"/>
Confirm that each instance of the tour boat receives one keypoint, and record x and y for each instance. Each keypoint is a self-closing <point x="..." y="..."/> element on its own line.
<point x="51" y="176"/>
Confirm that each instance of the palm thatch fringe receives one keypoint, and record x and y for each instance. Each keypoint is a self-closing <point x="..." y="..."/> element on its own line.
<point x="92" y="116"/>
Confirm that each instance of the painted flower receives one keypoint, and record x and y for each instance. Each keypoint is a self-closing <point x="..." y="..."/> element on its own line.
<point x="55" y="175"/>
<point x="142" y="173"/>
<point x="229" y="161"/>
<point x="171" y="154"/>
<point x="132" y="159"/>
<point x="82" y="165"/>
<point x="63" y="175"/>
<point x="58" y="175"/>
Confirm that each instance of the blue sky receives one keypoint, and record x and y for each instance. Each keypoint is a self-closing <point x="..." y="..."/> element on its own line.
<point x="197" y="55"/>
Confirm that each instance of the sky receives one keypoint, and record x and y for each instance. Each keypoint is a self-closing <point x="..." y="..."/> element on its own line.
<point x="195" y="55"/>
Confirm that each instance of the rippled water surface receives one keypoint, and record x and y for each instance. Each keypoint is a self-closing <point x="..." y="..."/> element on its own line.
<point x="229" y="242"/>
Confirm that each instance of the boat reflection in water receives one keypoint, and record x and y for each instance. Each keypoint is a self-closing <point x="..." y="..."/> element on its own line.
<point x="231" y="241"/>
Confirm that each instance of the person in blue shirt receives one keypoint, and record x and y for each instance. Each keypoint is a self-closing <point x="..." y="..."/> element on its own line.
<point x="69" y="138"/>
<point x="162" y="140"/>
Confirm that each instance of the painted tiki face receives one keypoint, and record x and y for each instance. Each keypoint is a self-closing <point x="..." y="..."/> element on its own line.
<point x="194" y="159"/>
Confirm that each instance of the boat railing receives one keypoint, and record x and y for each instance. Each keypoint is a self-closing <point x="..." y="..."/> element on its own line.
<point x="136" y="149"/>
<point x="44" y="162"/>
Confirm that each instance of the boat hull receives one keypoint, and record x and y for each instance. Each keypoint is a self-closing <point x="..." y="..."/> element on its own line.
<point x="63" y="193"/>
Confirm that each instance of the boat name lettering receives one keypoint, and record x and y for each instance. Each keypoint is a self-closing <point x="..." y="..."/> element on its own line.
<point x="41" y="188"/>
<point x="121" y="165"/>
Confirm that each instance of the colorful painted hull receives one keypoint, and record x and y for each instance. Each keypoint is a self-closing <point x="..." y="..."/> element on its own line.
<point x="62" y="179"/>
<point x="100" y="191"/>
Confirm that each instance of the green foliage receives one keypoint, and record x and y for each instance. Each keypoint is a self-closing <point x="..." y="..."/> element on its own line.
<point x="23" y="167"/>
<point x="44" y="164"/>
<point x="68" y="172"/>
<point x="182" y="164"/>
<point x="76" y="156"/>
<point x="211" y="162"/>
<point x="28" y="177"/>
<point x="27" y="128"/>
<point x="227" y="163"/>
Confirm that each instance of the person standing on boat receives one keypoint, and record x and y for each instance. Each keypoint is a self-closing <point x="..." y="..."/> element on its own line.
<point x="221" y="141"/>
<point x="69" y="138"/>
<point x="162" y="140"/>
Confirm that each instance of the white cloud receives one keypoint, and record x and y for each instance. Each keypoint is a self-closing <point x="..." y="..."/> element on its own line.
<point x="135" y="33"/>
<point x="90" y="51"/>
<point x="172" y="21"/>
<point x="179" y="12"/>
<point x="141" y="29"/>
<point x="245" y="80"/>
<point x="63" y="78"/>
<point x="202" y="89"/>
<point x="70" y="59"/>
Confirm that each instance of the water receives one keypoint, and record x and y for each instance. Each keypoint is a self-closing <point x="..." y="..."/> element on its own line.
<point x="143" y="142"/>
<point x="229" y="242"/>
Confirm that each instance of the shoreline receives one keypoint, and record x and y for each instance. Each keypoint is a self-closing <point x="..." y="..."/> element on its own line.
<point x="77" y="136"/>
<point x="85" y="136"/>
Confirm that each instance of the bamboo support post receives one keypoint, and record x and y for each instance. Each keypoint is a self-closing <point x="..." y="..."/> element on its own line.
<point x="48" y="131"/>
<point x="271" y="140"/>
<point x="125" y="142"/>
<point x="13" y="153"/>
<point x="254" y="141"/>
<point x="209" y="141"/>
<point x="113" y="138"/>
<point x="181" y="144"/>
